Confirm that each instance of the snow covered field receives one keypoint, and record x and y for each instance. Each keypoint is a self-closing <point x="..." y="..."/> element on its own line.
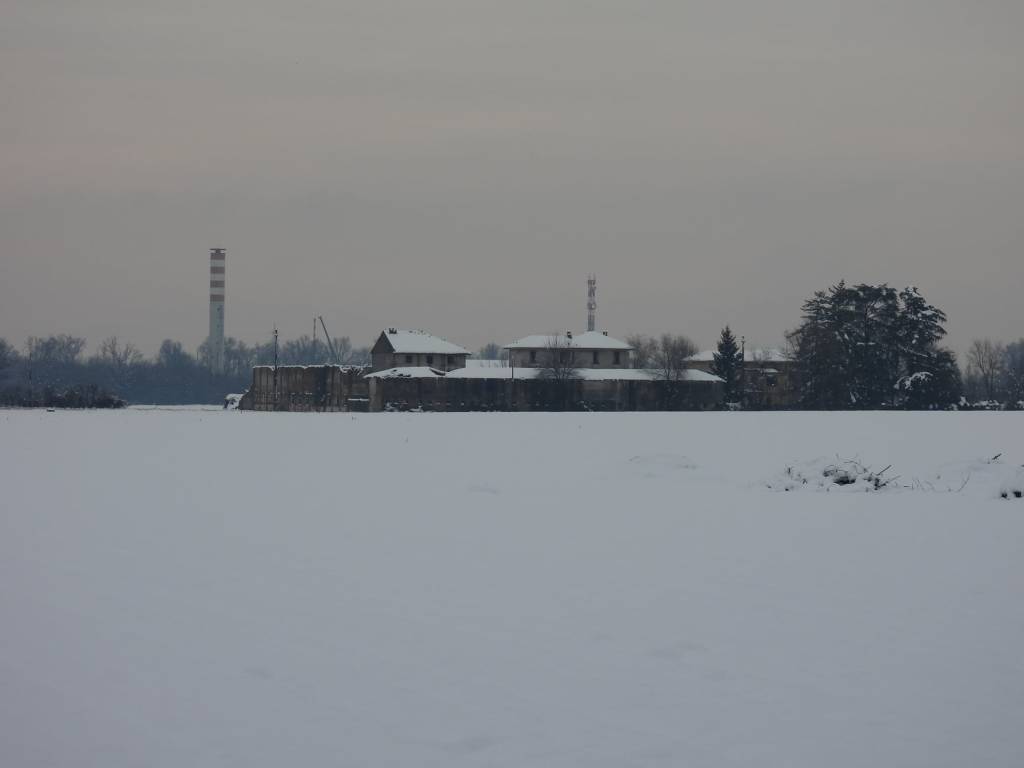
<point x="209" y="588"/>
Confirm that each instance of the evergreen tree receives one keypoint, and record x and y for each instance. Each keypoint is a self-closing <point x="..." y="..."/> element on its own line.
<point x="821" y="364"/>
<point x="939" y="386"/>
<point x="727" y="364"/>
<point x="869" y="346"/>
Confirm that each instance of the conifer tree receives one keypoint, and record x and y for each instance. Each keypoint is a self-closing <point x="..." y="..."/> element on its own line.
<point x="727" y="364"/>
<point x="870" y="346"/>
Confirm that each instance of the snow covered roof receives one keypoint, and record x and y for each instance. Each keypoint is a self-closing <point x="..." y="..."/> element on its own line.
<point x="769" y="355"/>
<point x="492" y="372"/>
<point x="410" y="372"/>
<point x="420" y="343"/>
<point x="691" y="374"/>
<point x="588" y="340"/>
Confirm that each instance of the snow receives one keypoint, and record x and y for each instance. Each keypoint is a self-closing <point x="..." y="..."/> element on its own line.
<point x="407" y="372"/>
<point x="493" y="372"/>
<point x="222" y="588"/>
<point x="421" y="343"/>
<point x="695" y="374"/>
<point x="588" y="340"/>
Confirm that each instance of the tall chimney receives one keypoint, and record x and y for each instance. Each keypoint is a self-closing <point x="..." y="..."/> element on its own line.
<point x="216" y="337"/>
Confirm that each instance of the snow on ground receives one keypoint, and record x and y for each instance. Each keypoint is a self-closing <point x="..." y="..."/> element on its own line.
<point x="216" y="588"/>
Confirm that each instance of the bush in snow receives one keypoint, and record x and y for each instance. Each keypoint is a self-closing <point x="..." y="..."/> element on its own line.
<point x="1013" y="488"/>
<point x="822" y="475"/>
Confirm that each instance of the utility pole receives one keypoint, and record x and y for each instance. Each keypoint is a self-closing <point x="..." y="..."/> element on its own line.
<point x="743" y="371"/>
<point x="276" y="393"/>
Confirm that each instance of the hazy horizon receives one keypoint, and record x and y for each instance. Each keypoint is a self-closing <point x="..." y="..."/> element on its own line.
<point x="461" y="166"/>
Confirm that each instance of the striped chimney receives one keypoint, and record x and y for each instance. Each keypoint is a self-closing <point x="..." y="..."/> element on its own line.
<point x="216" y="337"/>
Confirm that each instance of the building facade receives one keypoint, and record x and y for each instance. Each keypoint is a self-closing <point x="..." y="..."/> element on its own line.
<point x="396" y="348"/>
<point x="767" y="378"/>
<point x="593" y="349"/>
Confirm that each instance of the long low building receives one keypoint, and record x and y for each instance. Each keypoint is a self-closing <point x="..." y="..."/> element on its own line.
<point x="584" y="374"/>
<point x="474" y="388"/>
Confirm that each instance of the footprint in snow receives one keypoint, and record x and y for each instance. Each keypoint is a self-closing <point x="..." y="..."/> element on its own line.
<point x="656" y="464"/>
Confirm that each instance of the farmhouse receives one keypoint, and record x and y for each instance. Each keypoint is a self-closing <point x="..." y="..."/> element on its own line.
<point x="415" y="349"/>
<point x="592" y="349"/>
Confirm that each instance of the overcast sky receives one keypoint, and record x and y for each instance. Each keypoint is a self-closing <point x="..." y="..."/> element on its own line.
<point x="461" y="165"/>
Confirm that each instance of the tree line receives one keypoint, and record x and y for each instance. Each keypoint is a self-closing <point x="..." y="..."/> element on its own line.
<point x="995" y="374"/>
<point x="856" y="347"/>
<point x="55" y="370"/>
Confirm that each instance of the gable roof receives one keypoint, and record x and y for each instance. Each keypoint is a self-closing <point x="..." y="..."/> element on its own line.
<point x="588" y="340"/>
<point x="418" y="343"/>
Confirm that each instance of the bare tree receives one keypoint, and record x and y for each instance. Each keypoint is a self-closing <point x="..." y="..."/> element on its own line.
<point x="343" y="348"/>
<point x="670" y="356"/>
<point x="120" y="357"/>
<point x="645" y="349"/>
<point x="558" y="360"/>
<point x="986" y="359"/>
<point x="8" y="354"/>
<point x="557" y="374"/>
<point x="489" y="351"/>
<point x="172" y="355"/>
<point x="360" y="356"/>
<point x="1013" y="372"/>
<point x="61" y="349"/>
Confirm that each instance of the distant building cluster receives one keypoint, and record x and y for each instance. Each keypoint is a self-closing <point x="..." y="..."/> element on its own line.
<point x="552" y="371"/>
<point x="414" y="369"/>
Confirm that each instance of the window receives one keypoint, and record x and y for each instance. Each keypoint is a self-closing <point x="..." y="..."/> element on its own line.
<point x="430" y="359"/>
<point x="596" y="357"/>
<point x="533" y="355"/>
<point x="408" y="359"/>
<point x="618" y="358"/>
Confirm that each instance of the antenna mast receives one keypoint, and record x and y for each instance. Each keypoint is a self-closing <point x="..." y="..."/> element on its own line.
<point x="591" y="301"/>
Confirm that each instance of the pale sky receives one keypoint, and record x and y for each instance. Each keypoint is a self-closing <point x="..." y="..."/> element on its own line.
<point x="461" y="165"/>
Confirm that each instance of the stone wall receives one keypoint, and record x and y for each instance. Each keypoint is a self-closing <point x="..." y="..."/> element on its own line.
<point x="306" y="388"/>
<point x="441" y="394"/>
<point x="336" y="388"/>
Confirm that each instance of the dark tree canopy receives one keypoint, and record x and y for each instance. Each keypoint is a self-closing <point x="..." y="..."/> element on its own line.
<point x="727" y="364"/>
<point x="52" y="369"/>
<point x="871" y="346"/>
